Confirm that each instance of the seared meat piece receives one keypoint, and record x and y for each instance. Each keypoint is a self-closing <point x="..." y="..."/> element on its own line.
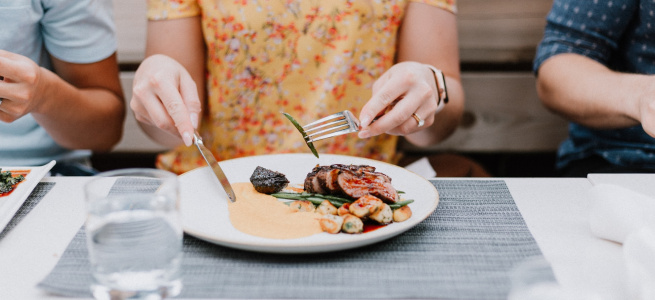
<point x="312" y="184"/>
<point x="267" y="181"/>
<point x="352" y="181"/>
<point x="367" y="183"/>
<point x="332" y="183"/>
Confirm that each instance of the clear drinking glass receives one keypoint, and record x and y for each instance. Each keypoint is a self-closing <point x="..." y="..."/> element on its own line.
<point x="134" y="234"/>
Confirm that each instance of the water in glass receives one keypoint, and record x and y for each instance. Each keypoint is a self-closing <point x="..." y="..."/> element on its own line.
<point x="135" y="246"/>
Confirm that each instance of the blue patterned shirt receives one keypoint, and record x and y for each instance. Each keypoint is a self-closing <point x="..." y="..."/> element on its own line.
<point x="620" y="34"/>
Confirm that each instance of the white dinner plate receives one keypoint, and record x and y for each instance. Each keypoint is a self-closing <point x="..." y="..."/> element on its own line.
<point x="204" y="203"/>
<point x="9" y="204"/>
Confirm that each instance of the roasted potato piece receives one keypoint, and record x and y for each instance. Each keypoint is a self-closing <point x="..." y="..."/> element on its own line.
<point x="352" y="224"/>
<point x="382" y="216"/>
<point x="402" y="214"/>
<point x="302" y="206"/>
<point x="326" y="208"/>
<point x="331" y="223"/>
<point x="344" y="209"/>
<point x="365" y="206"/>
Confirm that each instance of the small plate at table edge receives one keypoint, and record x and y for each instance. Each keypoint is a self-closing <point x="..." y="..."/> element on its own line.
<point x="203" y="203"/>
<point x="18" y="196"/>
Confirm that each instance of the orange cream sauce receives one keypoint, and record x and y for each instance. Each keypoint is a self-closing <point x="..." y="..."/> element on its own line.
<point x="264" y="216"/>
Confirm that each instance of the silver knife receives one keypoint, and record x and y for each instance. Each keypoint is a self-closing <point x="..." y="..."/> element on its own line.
<point x="211" y="161"/>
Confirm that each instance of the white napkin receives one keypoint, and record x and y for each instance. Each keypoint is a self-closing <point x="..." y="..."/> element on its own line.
<point x="625" y="216"/>
<point x="639" y="256"/>
<point x="422" y="167"/>
<point x="618" y="212"/>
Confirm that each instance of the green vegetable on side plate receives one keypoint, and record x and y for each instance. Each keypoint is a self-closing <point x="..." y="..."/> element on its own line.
<point x="8" y="182"/>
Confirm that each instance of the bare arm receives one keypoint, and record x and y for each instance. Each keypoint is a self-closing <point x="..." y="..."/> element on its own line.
<point x="428" y="35"/>
<point x="588" y="93"/>
<point x="80" y="105"/>
<point x="169" y="86"/>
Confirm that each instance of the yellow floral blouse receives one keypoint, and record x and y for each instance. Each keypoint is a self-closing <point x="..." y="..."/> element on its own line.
<point x="309" y="58"/>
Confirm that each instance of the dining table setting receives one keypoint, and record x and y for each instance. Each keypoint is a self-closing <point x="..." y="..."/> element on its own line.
<point x="467" y="238"/>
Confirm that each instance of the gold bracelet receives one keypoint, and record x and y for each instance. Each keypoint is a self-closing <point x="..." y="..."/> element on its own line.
<point x="442" y="92"/>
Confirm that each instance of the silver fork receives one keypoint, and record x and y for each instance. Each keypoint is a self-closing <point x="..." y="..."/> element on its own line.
<point x="331" y="126"/>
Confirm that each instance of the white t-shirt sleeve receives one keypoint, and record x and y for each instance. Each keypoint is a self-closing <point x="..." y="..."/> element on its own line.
<point x="79" y="31"/>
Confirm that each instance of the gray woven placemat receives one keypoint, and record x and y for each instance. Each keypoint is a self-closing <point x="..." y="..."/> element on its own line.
<point x="465" y="250"/>
<point x="41" y="189"/>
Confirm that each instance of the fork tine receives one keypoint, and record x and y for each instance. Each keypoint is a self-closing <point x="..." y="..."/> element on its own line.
<point x="333" y="124"/>
<point x="338" y="115"/>
<point x="337" y="133"/>
<point x="331" y="129"/>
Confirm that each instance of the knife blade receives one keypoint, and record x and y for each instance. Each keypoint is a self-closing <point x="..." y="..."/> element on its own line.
<point x="211" y="161"/>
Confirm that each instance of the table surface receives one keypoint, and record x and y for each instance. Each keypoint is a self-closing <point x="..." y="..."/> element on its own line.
<point x="554" y="209"/>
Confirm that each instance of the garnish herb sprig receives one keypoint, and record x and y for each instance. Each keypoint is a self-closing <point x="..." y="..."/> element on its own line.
<point x="8" y="182"/>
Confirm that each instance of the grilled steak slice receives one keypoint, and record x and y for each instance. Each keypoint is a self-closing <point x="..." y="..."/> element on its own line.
<point x="377" y="184"/>
<point x="312" y="184"/>
<point x="331" y="182"/>
<point x="327" y="177"/>
<point x="383" y="188"/>
<point x="353" y="181"/>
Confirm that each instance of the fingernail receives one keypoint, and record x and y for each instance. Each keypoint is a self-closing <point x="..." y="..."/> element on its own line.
<point x="194" y="120"/>
<point x="186" y="137"/>
<point x="364" y="134"/>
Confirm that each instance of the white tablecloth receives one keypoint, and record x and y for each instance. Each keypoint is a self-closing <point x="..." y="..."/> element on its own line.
<point x="555" y="210"/>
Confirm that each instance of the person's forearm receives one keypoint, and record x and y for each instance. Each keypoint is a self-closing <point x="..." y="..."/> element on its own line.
<point x="445" y="121"/>
<point x="429" y="35"/>
<point x="181" y="40"/>
<point x="588" y="93"/>
<point x="86" y="118"/>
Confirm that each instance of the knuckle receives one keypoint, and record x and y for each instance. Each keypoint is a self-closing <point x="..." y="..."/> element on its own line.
<point x="139" y="91"/>
<point x="425" y="91"/>
<point x="377" y="85"/>
<point x="156" y="80"/>
<point x="405" y="128"/>
<point x="24" y="95"/>
<point x="162" y="123"/>
<point x="30" y="77"/>
<point x="409" y="78"/>
<point x="398" y="119"/>
<point x="174" y="107"/>
<point x="134" y="106"/>
<point x="386" y="98"/>
<point x="141" y="118"/>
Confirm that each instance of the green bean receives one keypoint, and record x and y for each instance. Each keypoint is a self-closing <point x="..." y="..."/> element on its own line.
<point x="302" y="132"/>
<point x="300" y="196"/>
<point x="400" y="204"/>
<point x="289" y="196"/>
